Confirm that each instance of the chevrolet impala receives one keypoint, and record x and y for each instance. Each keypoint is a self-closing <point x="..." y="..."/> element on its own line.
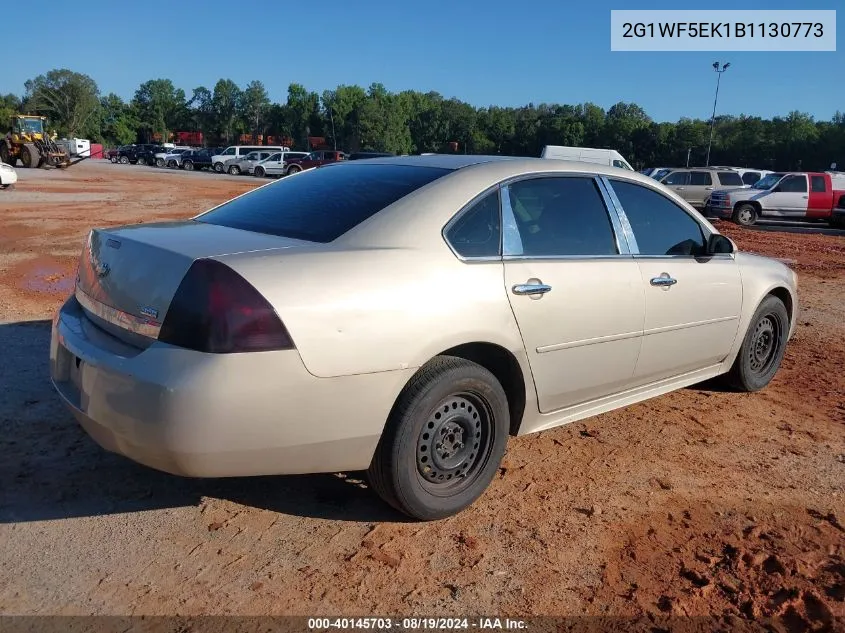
<point x="405" y="316"/>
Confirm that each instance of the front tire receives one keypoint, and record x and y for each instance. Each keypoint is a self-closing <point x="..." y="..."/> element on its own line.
<point x="159" y="162"/>
<point x="763" y="348"/>
<point x="124" y="160"/>
<point x="218" y="167"/>
<point x="259" y="172"/>
<point x="187" y="165"/>
<point x="745" y="215"/>
<point x="293" y="169"/>
<point x="444" y="440"/>
<point x="234" y="170"/>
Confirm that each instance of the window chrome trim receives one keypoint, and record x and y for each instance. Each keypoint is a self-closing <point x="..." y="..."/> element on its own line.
<point x="465" y="209"/>
<point x="511" y="238"/>
<point x="627" y="230"/>
<point x="622" y="245"/>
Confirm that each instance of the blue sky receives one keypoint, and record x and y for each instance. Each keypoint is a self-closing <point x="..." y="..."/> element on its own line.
<point x="484" y="52"/>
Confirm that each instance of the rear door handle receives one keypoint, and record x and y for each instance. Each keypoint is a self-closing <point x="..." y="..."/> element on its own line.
<point x="531" y="289"/>
<point x="663" y="281"/>
<point x="708" y="189"/>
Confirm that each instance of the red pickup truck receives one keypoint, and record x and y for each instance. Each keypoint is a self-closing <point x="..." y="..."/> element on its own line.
<point x="783" y="195"/>
<point x="314" y="159"/>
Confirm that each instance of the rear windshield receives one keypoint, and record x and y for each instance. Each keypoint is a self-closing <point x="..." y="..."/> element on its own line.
<point x="730" y="178"/>
<point x="322" y="204"/>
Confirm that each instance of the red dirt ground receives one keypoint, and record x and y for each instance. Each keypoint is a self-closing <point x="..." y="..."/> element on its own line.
<point x="696" y="503"/>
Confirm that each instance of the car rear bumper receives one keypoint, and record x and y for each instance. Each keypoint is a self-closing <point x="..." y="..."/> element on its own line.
<point x="210" y="415"/>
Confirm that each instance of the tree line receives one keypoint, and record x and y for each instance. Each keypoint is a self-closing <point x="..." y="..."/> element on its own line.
<point x="353" y="118"/>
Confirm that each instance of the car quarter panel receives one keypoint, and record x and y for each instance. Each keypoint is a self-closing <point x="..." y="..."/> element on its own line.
<point x="363" y="311"/>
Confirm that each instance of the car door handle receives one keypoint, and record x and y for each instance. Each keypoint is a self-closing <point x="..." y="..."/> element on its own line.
<point x="708" y="189"/>
<point x="679" y="188"/>
<point x="805" y="197"/>
<point x="531" y="289"/>
<point x="664" y="281"/>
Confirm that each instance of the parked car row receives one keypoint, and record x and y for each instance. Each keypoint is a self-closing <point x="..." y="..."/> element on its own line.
<point x="261" y="161"/>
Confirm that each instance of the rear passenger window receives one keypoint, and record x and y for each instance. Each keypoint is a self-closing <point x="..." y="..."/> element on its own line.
<point x="730" y="178"/>
<point x="677" y="178"/>
<point x="700" y="178"/>
<point x="750" y="177"/>
<point x="561" y="217"/>
<point x="660" y="226"/>
<point x="818" y="184"/>
<point x="477" y="231"/>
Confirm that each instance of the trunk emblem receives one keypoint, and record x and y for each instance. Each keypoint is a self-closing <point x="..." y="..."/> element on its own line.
<point x="149" y="312"/>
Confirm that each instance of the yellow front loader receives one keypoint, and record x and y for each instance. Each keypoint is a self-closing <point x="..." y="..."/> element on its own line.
<point x="29" y="141"/>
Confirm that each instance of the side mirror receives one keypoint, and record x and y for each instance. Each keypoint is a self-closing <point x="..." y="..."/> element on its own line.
<point x="718" y="243"/>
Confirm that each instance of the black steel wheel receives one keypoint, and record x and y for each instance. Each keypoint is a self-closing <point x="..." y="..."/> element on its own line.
<point x="762" y="348"/>
<point x="444" y="440"/>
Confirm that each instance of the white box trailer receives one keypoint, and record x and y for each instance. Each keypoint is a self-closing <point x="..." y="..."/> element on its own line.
<point x="77" y="146"/>
<point x="609" y="157"/>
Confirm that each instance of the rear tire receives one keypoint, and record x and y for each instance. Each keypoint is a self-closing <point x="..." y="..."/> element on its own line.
<point x="745" y="215"/>
<point x="141" y="161"/>
<point x="444" y="440"/>
<point x="259" y="171"/>
<point x="124" y="160"/>
<point x="293" y="169"/>
<point x="159" y="162"/>
<point x="188" y="165"/>
<point x="218" y="167"/>
<point x="234" y="170"/>
<point x="113" y="159"/>
<point x="762" y="348"/>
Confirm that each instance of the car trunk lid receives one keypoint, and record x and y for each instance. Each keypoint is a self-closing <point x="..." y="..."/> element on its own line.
<point x="128" y="276"/>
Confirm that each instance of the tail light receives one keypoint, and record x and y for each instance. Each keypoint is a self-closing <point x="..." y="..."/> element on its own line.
<point x="216" y="310"/>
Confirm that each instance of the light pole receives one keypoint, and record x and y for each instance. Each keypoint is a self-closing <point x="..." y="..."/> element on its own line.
<point x="334" y="138"/>
<point x="719" y="70"/>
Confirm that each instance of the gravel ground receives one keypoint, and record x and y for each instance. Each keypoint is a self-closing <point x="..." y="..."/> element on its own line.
<point x="695" y="503"/>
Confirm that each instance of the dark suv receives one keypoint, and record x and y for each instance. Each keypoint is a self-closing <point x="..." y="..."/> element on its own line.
<point x="140" y="154"/>
<point x="198" y="158"/>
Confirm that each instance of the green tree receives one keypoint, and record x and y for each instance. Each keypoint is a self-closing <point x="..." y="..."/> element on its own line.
<point x="254" y="105"/>
<point x="226" y="102"/>
<point x="159" y="106"/>
<point x="117" y="125"/>
<point x="71" y="100"/>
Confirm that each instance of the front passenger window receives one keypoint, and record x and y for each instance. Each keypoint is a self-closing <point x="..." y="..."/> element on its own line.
<point x="660" y="226"/>
<point x="794" y="184"/>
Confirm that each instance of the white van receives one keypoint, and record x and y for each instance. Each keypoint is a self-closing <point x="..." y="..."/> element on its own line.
<point x="609" y="157"/>
<point x="239" y="151"/>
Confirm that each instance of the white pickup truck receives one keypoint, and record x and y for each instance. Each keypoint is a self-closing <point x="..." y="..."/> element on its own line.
<point x="792" y="195"/>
